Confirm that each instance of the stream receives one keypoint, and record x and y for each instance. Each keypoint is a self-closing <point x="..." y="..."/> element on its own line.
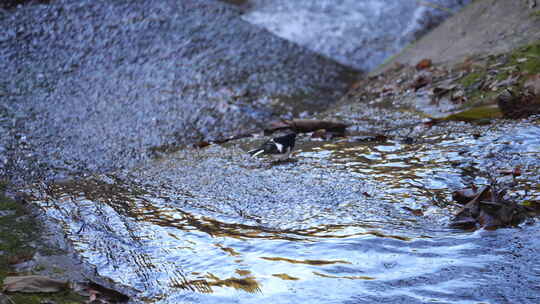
<point x="101" y="102"/>
<point x="334" y="226"/>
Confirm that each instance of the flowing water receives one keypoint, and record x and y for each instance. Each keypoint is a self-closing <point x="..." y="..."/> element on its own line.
<point x="92" y="87"/>
<point x="334" y="226"/>
<point x="358" y="33"/>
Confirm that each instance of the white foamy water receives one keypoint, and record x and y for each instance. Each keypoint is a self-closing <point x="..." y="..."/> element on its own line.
<point x="358" y="33"/>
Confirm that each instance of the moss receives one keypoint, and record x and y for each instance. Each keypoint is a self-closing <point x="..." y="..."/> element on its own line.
<point x="17" y="231"/>
<point x="532" y="54"/>
<point x="502" y="75"/>
<point x="535" y="14"/>
<point x="478" y="114"/>
<point x="472" y="78"/>
<point x="478" y="98"/>
<point x="18" y="236"/>
<point x="525" y="59"/>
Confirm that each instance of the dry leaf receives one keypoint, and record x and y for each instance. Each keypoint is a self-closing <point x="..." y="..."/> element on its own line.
<point x="417" y="212"/>
<point x="423" y="64"/>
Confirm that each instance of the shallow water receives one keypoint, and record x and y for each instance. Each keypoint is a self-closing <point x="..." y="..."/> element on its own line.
<point x="214" y="226"/>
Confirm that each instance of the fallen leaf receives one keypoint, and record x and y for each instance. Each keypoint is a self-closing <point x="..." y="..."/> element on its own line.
<point x="33" y="283"/>
<point x="489" y="209"/>
<point x="356" y="85"/>
<point x="463" y="196"/>
<point x="423" y="64"/>
<point x="514" y="172"/>
<point x="417" y="212"/>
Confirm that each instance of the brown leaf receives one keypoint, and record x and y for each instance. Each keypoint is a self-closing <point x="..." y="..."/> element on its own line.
<point x="33" y="283"/>
<point x="514" y="172"/>
<point x="423" y="64"/>
<point x="356" y="85"/>
<point x="489" y="210"/>
<point x="417" y="212"/>
<point x="464" y="196"/>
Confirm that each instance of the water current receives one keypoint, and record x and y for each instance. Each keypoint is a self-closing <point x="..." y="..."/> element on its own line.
<point x="92" y="87"/>
<point x="334" y="226"/>
<point x="358" y="33"/>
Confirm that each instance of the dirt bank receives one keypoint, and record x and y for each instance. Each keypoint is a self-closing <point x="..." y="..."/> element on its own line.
<point x="483" y="27"/>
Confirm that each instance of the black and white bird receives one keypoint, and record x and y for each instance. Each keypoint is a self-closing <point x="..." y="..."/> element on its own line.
<point x="278" y="148"/>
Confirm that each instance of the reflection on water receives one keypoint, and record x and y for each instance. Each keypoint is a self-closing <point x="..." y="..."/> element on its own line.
<point x="211" y="227"/>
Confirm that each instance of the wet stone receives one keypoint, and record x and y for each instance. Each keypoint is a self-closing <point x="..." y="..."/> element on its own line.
<point x="110" y="80"/>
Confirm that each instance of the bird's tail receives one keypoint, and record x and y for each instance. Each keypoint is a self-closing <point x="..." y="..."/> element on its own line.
<point x="255" y="152"/>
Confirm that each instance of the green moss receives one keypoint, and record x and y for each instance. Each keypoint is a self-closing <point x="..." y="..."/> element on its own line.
<point x="502" y="75"/>
<point x="479" y="114"/>
<point x="525" y="59"/>
<point x="58" y="270"/>
<point x="535" y="14"/>
<point x="532" y="55"/>
<point x="17" y="233"/>
<point x="472" y="78"/>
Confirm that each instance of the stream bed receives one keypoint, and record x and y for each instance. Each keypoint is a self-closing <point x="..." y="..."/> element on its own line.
<point x="102" y="100"/>
<point x="333" y="226"/>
